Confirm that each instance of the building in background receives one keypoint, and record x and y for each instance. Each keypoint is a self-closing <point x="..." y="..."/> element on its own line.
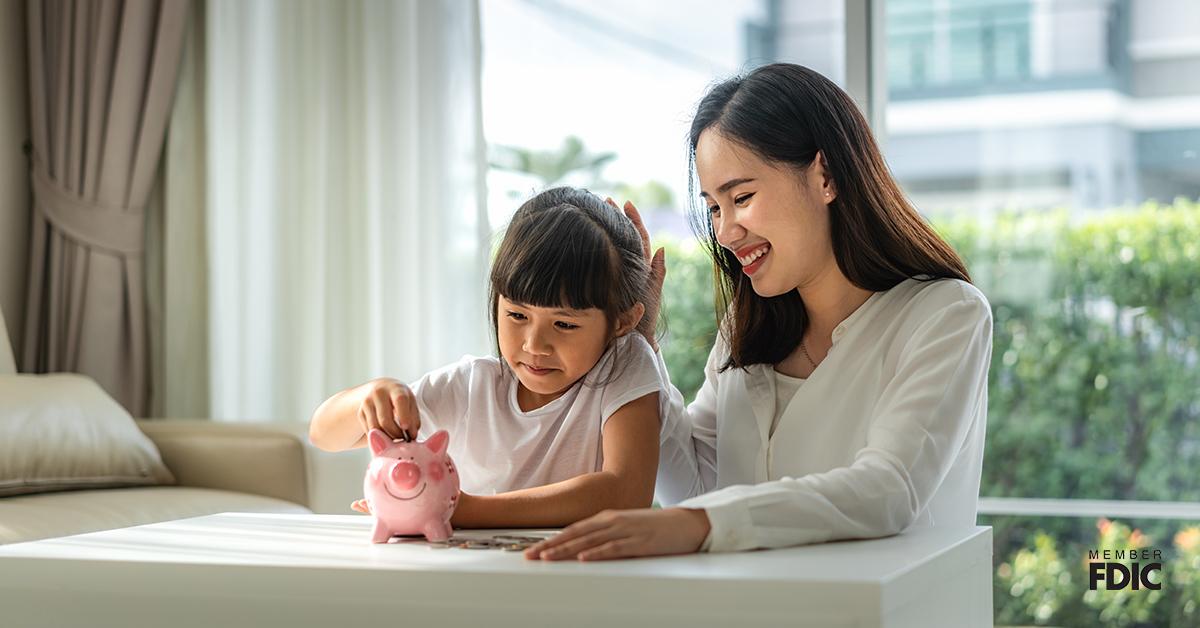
<point x="1023" y="104"/>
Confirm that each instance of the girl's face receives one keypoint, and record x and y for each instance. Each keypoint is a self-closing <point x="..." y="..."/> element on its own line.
<point x="773" y="218"/>
<point x="550" y="348"/>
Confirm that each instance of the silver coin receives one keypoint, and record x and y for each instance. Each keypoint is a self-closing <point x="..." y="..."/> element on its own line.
<point x="518" y="538"/>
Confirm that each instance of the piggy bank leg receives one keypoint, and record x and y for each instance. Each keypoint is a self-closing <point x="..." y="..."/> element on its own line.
<point x="380" y="533"/>
<point x="437" y="531"/>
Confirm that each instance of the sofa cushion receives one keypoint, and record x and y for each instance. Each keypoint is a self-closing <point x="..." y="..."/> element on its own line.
<point x="47" y="515"/>
<point x="62" y="431"/>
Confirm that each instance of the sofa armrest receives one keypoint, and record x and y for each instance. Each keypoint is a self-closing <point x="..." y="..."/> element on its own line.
<point x="270" y="459"/>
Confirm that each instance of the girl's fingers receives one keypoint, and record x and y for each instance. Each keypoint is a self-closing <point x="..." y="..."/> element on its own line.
<point x="403" y="413"/>
<point x="362" y="419"/>
<point x="382" y="411"/>
<point x="373" y="424"/>
<point x="408" y="415"/>
<point x="401" y="416"/>
<point x="372" y="419"/>
<point x="385" y="415"/>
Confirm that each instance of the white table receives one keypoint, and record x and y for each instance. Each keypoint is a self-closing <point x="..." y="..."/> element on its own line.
<point x="237" y="569"/>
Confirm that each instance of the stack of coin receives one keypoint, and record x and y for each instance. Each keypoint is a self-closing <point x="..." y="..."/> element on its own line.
<point x="506" y="542"/>
<point x="516" y="543"/>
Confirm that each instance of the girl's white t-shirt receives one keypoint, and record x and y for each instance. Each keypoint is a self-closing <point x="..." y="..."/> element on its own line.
<point x="497" y="447"/>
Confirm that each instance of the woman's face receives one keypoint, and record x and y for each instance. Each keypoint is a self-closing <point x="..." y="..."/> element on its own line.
<point x="774" y="218"/>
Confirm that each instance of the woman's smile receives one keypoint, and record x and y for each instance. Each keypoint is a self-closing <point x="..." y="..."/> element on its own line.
<point x="753" y="257"/>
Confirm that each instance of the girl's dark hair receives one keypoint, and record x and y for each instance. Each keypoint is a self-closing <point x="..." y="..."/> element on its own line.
<point x="567" y="248"/>
<point x="785" y="114"/>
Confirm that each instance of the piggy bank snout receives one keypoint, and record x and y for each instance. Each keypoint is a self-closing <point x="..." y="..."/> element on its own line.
<point x="405" y="475"/>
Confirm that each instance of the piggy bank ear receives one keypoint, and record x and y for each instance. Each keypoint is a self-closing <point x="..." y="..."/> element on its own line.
<point x="437" y="443"/>
<point x="378" y="441"/>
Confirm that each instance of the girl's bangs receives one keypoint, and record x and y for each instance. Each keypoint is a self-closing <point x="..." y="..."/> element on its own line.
<point x="565" y="265"/>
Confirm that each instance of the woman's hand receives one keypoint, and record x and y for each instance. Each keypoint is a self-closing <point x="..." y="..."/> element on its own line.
<point x="625" y="534"/>
<point x="658" y="272"/>
<point x="390" y="406"/>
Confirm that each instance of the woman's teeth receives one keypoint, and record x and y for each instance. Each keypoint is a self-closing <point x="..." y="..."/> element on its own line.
<point x="749" y="259"/>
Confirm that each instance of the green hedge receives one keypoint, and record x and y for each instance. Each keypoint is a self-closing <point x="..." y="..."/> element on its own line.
<point x="1093" y="388"/>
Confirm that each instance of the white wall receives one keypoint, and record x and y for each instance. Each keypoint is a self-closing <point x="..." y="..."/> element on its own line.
<point x="14" y="177"/>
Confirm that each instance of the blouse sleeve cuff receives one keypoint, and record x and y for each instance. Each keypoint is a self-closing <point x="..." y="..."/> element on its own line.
<point x="731" y="529"/>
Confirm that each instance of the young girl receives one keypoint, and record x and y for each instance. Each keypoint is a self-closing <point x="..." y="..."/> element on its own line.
<point x="565" y="423"/>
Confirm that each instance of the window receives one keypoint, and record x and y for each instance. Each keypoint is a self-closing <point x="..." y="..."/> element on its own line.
<point x="599" y="95"/>
<point x="1055" y="143"/>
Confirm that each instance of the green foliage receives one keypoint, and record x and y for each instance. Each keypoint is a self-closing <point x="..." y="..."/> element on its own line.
<point x="1037" y="582"/>
<point x="690" y="316"/>
<point x="1184" y="582"/>
<point x="1094" y="376"/>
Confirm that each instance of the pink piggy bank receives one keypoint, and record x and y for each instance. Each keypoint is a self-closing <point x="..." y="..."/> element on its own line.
<point x="411" y="487"/>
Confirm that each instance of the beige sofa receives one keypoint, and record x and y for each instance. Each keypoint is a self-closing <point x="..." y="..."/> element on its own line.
<point x="218" y="467"/>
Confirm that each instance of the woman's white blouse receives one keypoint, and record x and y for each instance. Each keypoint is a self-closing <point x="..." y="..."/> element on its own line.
<point x="886" y="434"/>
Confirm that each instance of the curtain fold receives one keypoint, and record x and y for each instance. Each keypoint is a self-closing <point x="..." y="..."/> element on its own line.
<point x="102" y="77"/>
<point x="176" y="246"/>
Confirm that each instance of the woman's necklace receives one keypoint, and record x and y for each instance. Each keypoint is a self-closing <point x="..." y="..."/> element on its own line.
<point x="804" y="351"/>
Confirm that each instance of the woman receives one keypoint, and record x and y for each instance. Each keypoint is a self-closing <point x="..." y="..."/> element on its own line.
<point x="846" y="394"/>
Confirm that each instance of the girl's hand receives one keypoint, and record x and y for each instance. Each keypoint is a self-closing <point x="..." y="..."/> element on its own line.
<point x="658" y="272"/>
<point x="625" y="534"/>
<point x="390" y="406"/>
<point x="361" y="505"/>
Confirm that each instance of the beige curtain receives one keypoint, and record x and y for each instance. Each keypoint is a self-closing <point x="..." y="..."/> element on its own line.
<point x="347" y="235"/>
<point x="101" y="80"/>
<point x="176" y="245"/>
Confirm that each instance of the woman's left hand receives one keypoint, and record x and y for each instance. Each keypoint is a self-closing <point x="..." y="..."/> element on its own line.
<point x="625" y="534"/>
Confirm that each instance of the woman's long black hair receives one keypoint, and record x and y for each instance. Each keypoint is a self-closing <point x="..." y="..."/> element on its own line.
<point x="786" y="114"/>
